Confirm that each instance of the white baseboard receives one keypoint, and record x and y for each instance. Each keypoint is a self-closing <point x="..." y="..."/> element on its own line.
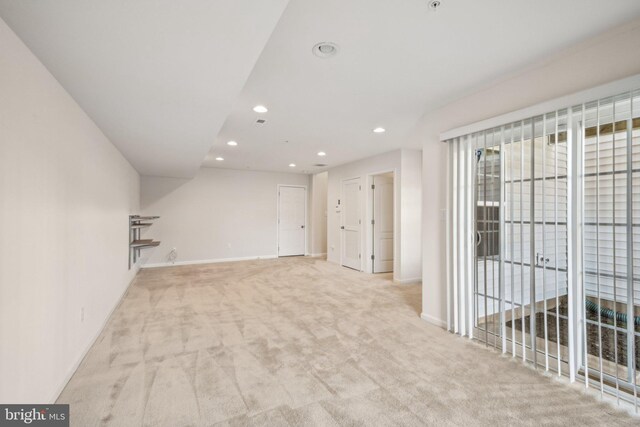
<point x="408" y="281"/>
<point x="208" y="261"/>
<point x="433" y="320"/>
<point x="93" y="340"/>
<point x="323" y="254"/>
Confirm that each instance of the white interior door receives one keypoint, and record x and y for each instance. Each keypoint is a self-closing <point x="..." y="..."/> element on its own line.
<point x="292" y="218"/>
<point x="351" y="223"/>
<point x="383" y="223"/>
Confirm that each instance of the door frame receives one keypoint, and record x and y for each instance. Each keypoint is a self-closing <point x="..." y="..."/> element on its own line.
<point x="342" y="181"/>
<point x="306" y="213"/>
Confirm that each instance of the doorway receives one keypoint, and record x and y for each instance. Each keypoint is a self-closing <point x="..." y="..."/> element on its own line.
<point x="292" y="220"/>
<point x="382" y="223"/>
<point x="351" y="223"/>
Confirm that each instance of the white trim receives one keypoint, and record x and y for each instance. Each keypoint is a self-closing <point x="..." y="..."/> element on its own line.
<point x="434" y="320"/>
<point x="209" y="261"/>
<point x="585" y="96"/>
<point x="306" y="212"/>
<point x="410" y="281"/>
<point x="318" y="255"/>
<point x="93" y="340"/>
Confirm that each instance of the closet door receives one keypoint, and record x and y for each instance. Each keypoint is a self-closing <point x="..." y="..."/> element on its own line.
<point x="351" y="223"/>
<point x="383" y="224"/>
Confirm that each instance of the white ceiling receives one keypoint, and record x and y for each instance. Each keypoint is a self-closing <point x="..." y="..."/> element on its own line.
<point x="397" y="60"/>
<point x="160" y="77"/>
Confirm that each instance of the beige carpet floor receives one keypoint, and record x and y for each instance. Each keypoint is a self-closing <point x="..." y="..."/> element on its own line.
<point x="299" y="341"/>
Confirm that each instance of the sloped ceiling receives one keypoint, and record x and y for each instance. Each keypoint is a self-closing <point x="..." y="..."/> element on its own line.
<point x="159" y="77"/>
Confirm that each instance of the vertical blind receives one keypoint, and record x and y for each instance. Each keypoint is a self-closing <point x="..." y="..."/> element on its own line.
<point x="543" y="241"/>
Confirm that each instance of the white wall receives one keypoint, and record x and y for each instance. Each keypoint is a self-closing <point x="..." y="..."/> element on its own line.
<point x="65" y="197"/>
<point x="407" y="266"/>
<point x="411" y="215"/>
<point x="319" y="213"/>
<point x="221" y="214"/>
<point x="605" y="58"/>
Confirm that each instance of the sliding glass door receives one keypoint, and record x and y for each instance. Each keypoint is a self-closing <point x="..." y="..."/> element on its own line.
<point x="521" y="244"/>
<point x="544" y="242"/>
<point x="611" y="243"/>
<point x="487" y="221"/>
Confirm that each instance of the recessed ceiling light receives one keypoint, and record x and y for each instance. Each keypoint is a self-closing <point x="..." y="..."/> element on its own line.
<point x="292" y="165"/>
<point x="232" y="143"/>
<point x="219" y="159"/>
<point x="379" y="130"/>
<point x="260" y="109"/>
<point x="321" y="153"/>
<point x="325" y="49"/>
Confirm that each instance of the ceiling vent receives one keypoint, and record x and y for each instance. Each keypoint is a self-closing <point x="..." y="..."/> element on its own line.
<point x="261" y="122"/>
<point x="320" y="165"/>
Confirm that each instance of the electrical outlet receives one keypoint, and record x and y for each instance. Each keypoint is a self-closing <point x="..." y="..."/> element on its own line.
<point x="173" y="255"/>
<point x="229" y="245"/>
<point x="82" y="314"/>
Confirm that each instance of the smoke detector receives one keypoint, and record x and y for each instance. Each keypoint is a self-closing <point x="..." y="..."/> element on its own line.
<point x="325" y="49"/>
<point x="435" y="5"/>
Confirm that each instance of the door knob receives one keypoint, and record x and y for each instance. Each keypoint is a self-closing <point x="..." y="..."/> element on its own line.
<point x="342" y="228"/>
<point x="302" y="226"/>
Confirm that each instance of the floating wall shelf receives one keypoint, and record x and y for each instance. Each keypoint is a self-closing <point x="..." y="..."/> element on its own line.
<point x="141" y="225"/>
<point x="136" y="244"/>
